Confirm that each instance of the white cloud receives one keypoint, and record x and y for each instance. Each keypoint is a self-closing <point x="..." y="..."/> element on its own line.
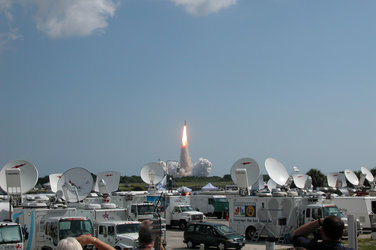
<point x="12" y="33"/>
<point x="204" y="7"/>
<point x="67" y="18"/>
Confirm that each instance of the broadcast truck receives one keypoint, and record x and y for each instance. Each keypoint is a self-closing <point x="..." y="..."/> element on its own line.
<point x="45" y="226"/>
<point x="176" y="210"/>
<point x="11" y="236"/>
<point x="362" y="207"/>
<point x="136" y="205"/>
<point x="111" y="226"/>
<point x="276" y="217"/>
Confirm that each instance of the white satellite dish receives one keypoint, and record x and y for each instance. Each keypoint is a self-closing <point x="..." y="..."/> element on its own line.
<point x="369" y="175"/>
<point x="111" y="179"/>
<point x="28" y="175"/>
<point x="54" y="179"/>
<point x="252" y="169"/>
<point x="272" y="185"/>
<point x="336" y="180"/>
<point x="351" y="177"/>
<point x="152" y="173"/>
<point x="276" y="171"/>
<point x="300" y="180"/>
<point x="76" y="184"/>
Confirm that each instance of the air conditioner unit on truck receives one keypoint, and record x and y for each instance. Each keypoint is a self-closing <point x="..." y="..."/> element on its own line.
<point x="11" y="236"/>
<point x="210" y="204"/>
<point x="276" y="217"/>
<point x="177" y="210"/>
<point x="111" y="226"/>
<point x="46" y="227"/>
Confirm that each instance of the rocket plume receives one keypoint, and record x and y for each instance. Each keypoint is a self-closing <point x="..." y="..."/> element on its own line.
<point x="185" y="159"/>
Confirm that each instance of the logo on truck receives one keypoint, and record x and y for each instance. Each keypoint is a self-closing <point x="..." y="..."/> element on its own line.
<point x="250" y="211"/>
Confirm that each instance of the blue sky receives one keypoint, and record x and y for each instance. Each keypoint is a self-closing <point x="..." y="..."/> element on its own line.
<point x="107" y="85"/>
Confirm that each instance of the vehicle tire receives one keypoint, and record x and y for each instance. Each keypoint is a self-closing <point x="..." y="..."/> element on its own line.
<point x="221" y="245"/>
<point x="190" y="244"/>
<point x="117" y="248"/>
<point x="250" y="232"/>
<point x="182" y="225"/>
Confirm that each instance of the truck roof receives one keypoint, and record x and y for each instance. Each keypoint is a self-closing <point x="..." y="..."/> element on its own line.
<point x="118" y="222"/>
<point x="57" y="218"/>
<point x="6" y="223"/>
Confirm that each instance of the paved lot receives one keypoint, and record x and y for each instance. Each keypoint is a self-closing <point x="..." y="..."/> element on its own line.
<point x="175" y="239"/>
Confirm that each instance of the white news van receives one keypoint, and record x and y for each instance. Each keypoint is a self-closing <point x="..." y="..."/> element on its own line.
<point x="277" y="217"/>
<point x="362" y="207"/>
<point x="176" y="210"/>
<point x="111" y="226"/>
<point x="45" y="227"/>
<point x="10" y="236"/>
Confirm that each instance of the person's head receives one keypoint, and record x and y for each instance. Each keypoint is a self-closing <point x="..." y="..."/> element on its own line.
<point x="333" y="227"/>
<point x="69" y="243"/>
<point x="145" y="238"/>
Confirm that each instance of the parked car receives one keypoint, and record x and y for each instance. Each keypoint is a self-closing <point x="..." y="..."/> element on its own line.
<point x="212" y="234"/>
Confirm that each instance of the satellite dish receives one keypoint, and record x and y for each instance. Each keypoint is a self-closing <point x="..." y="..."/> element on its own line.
<point x="111" y="179"/>
<point x="369" y="175"/>
<point x="54" y="178"/>
<point x="252" y="168"/>
<point x="28" y="175"/>
<point x="276" y="171"/>
<point x="351" y="177"/>
<point x="271" y="185"/>
<point x="336" y="180"/>
<point x="300" y="180"/>
<point x="152" y="173"/>
<point x="76" y="184"/>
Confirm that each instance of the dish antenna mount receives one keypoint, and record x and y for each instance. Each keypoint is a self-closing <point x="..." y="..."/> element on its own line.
<point x="16" y="178"/>
<point x="75" y="185"/>
<point x="152" y="173"/>
<point x="244" y="173"/>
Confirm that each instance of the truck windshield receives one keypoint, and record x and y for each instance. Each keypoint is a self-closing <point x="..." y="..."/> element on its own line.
<point x="186" y="208"/>
<point x="145" y="209"/>
<point x="127" y="228"/>
<point x="74" y="228"/>
<point x="10" y="234"/>
<point x="332" y="211"/>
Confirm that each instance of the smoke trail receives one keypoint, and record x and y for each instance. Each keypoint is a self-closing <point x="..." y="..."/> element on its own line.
<point x="202" y="167"/>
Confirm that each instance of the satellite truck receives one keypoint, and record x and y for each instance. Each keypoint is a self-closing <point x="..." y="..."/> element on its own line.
<point x="362" y="207"/>
<point x="111" y="224"/>
<point x="176" y="210"/>
<point x="45" y="224"/>
<point x="278" y="213"/>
